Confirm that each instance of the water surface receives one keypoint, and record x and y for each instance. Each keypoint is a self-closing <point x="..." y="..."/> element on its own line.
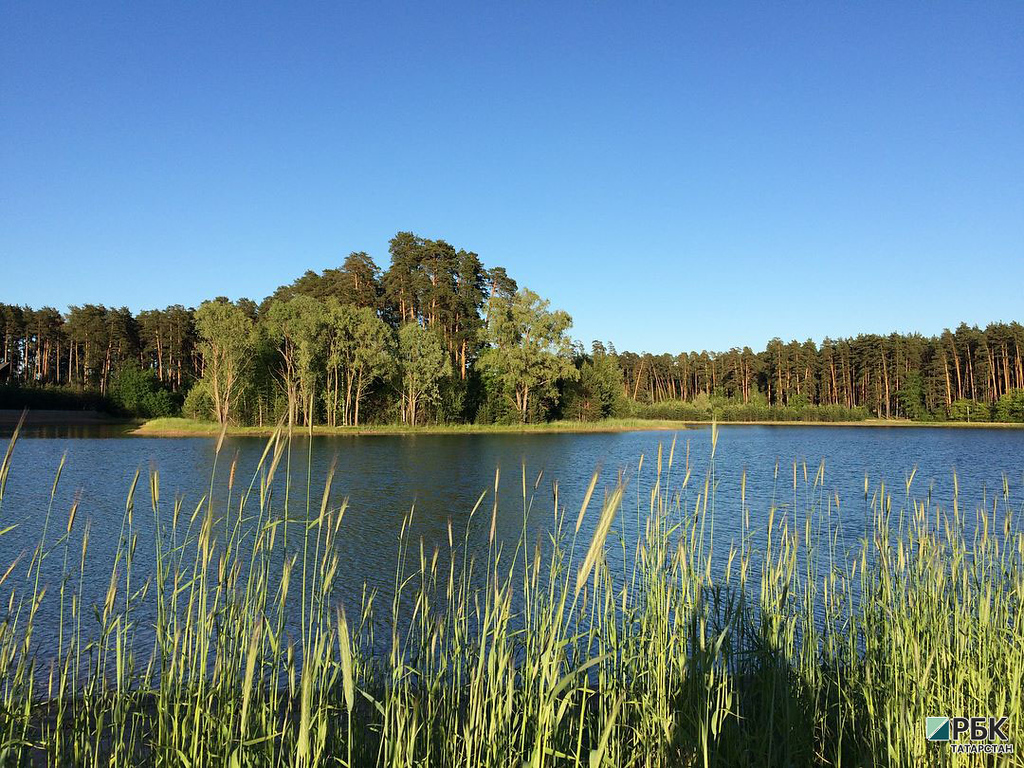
<point x="443" y="476"/>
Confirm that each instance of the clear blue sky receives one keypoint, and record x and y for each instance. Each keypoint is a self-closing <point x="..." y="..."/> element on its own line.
<point x="675" y="175"/>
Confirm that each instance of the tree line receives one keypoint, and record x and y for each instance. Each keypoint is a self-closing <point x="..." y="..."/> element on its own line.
<point x="965" y="374"/>
<point x="439" y="337"/>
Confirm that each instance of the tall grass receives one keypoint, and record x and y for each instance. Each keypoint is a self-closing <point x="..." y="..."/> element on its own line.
<point x="587" y="648"/>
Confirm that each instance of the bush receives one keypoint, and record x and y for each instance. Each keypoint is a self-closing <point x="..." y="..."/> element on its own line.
<point x="198" y="403"/>
<point x="137" y="392"/>
<point x="671" y="410"/>
<point x="1010" y="406"/>
<point x="969" y="410"/>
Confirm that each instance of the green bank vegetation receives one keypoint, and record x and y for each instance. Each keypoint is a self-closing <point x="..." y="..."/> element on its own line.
<point x="174" y="426"/>
<point x="684" y="648"/>
<point x="438" y="338"/>
<point x="177" y="426"/>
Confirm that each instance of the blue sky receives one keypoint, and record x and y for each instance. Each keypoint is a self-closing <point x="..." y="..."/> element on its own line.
<point x="675" y="175"/>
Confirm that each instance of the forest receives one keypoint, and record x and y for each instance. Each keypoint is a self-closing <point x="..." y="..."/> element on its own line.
<point x="438" y="337"/>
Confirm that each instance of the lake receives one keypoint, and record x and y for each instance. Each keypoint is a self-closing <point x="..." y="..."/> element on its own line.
<point x="443" y="476"/>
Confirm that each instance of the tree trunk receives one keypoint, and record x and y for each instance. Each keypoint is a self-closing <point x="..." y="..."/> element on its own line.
<point x="945" y="366"/>
<point x="359" y="397"/>
<point x="885" y="374"/>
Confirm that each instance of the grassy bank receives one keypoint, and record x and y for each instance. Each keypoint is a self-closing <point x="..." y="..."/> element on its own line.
<point x="773" y="648"/>
<point x="181" y="427"/>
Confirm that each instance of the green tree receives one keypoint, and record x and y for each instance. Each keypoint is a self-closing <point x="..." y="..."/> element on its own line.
<point x="599" y="392"/>
<point x="339" y="339"/>
<point x="359" y="348"/>
<point x="424" y="363"/>
<point x="88" y="333"/>
<point x="227" y="335"/>
<point x="402" y="283"/>
<point x="297" y="327"/>
<point x="359" y="281"/>
<point x="530" y="349"/>
<point x="911" y="397"/>
<point x="469" y="298"/>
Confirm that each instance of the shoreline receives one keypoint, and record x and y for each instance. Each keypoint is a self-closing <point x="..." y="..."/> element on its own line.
<point x="179" y="427"/>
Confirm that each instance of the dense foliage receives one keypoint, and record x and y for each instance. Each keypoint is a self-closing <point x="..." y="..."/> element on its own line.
<point x="437" y="337"/>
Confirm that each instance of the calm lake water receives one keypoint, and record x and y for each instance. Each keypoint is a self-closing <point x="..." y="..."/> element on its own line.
<point x="444" y="475"/>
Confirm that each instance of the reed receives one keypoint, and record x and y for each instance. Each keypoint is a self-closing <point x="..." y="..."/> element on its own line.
<point x="588" y="648"/>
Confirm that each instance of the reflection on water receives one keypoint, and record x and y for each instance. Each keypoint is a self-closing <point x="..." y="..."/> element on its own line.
<point x="69" y="431"/>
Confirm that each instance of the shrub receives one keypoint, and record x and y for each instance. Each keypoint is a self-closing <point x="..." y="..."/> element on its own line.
<point x="137" y="392"/>
<point x="670" y="410"/>
<point x="969" y="410"/>
<point x="198" y="403"/>
<point x="1010" y="406"/>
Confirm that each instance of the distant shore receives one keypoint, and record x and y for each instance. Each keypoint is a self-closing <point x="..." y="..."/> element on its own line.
<point x="179" y="427"/>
